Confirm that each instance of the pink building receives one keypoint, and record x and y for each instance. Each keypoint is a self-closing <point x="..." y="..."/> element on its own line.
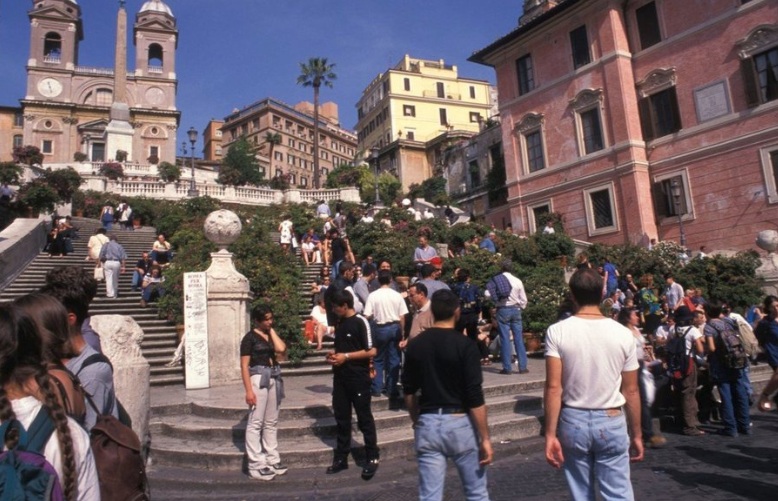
<point x="624" y="115"/>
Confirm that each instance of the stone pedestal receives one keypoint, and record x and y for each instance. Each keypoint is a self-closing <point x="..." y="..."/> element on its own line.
<point x="120" y="338"/>
<point x="228" y="317"/>
<point x="768" y="240"/>
<point x="229" y="297"/>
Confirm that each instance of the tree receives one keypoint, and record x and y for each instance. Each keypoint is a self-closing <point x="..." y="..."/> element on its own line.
<point x="272" y="139"/>
<point x="240" y="166"/>
<point x="315" y="73"/>
<point x="432" y="190"/>
<point x="64" y="181"/>
<point x="10" y="173"/>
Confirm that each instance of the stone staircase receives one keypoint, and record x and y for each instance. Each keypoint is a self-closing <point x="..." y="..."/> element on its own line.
<point x="159" y="341"/>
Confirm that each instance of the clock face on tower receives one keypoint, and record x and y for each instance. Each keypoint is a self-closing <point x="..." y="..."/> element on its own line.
<point x="50" y="87"/>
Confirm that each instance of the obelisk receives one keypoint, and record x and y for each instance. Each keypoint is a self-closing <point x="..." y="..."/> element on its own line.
<point x="119" y="133"/>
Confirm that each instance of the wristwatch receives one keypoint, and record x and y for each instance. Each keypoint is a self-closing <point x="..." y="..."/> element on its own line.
<point x="348" y="356"/>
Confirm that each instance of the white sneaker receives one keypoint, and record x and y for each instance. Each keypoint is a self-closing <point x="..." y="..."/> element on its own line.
<point x="279" y="468"/>
<point x="262" y="474"/>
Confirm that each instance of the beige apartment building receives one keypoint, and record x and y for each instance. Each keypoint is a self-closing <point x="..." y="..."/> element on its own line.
<point x="70" y="108"/>
<point x="408" y="111"/>
<point x="292" y="154"/>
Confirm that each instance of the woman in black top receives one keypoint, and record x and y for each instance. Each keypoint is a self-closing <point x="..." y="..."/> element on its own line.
<point x="261" y="379"/>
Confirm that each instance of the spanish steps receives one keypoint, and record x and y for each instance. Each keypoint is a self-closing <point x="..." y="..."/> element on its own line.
<point x="197" y="436"/>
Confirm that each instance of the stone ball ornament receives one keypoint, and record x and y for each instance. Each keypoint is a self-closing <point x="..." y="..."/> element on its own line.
<point x="767" y="240"/>
<point x="222" y="227"/>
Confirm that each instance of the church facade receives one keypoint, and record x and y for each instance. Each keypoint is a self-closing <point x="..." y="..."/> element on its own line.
<point x="70" y="110"/>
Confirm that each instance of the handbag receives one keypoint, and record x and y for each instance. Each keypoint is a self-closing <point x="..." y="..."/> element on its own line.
<point x="99" y="273"/>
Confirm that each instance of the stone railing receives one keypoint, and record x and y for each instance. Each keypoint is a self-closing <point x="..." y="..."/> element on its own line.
<point x="244" y="195"/>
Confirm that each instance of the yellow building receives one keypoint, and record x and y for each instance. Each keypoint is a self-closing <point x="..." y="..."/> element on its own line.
<point x="11" y="131"/>
<point x="412" y="104"/>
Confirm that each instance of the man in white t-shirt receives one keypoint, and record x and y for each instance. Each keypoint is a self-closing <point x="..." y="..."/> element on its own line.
<point x="591" y="374"/>
<point x="386" y="309"/>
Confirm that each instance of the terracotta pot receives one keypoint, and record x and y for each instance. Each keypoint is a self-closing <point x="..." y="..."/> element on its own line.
<point x="532" y="342"/>
<point x="79" y="212"/>
<point x="179" y="332"/>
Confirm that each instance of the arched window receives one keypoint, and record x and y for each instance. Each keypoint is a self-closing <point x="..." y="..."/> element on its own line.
<point x="155" y="58"/>
<point x="52" y="48"/>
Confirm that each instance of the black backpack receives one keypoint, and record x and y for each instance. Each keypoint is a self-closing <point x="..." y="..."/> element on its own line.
<point x="730" y="348"/>
<point x="679" y="363"/>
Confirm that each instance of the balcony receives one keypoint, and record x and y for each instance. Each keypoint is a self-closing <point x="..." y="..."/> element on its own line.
<point x="154" y="70"/>
<point x="52" y="59"/>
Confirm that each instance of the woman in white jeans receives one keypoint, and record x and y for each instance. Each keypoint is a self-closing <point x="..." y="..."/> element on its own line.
<point x="261" y="379"/>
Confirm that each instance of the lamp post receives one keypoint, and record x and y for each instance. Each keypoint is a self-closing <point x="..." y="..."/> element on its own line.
<point x="675" y="188"/>
<point x="374" y="156"/>
<point x="192" y="133"/>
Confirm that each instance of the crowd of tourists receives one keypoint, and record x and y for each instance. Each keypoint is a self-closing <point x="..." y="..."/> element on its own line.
<point x="662" y="351"/>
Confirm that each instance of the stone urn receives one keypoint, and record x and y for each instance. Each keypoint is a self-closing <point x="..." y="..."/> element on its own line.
<point x="767" y="240"/>
<point x="222" y="227"/>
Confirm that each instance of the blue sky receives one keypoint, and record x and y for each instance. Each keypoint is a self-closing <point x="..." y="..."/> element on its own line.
<point x="234" y="52"/>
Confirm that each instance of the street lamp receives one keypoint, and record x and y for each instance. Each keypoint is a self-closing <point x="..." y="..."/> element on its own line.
<point x="374" y="156"/>
<point x="675" y="188"/>
<point x="192" y="133"/>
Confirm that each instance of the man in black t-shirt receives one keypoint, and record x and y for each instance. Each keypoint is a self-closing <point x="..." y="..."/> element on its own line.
<point x="449" y="416"/>
<point x="142" y="267"/>
<point x="351" y="382"/>
<point x="339" y="248"/>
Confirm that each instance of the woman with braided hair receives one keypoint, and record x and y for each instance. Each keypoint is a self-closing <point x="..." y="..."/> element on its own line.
<point x="26" y="390"/>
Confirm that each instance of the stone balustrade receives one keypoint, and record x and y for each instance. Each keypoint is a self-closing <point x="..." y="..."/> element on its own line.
<point x="244" y="195"/>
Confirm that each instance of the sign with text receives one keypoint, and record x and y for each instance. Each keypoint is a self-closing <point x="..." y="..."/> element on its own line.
<point x="196" y="330"/>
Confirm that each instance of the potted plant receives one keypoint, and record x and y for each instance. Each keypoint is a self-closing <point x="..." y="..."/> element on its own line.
<point x="121" y="155"/>
<point x="153" y="159"/>
<point x="80" y="157"/>
<point x="168" y="172"/>
<point x="112" y="170"/>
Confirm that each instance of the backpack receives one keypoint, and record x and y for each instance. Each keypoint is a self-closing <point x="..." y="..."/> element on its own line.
<point x="70" y="392"/>
<point x="679" y="362"/>
<point x="107" y="215"/>
<point x="24" y="472"/>
<point x="499" y="287"/>
<point x="748" y="337"/>
<point x="121" y="470"/>
<point x="730" y="348"/>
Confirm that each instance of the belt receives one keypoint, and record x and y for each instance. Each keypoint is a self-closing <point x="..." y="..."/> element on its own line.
<point x="388" y="323"/>
<point x="444" y="410"/>
<point x="582" y="409"/>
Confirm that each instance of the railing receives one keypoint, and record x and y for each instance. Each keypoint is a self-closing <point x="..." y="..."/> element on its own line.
<point x="52" y="59"/>
<point x="244" y="195"/>
<point x="88" y="70"/>
<point x="155" y="70"/>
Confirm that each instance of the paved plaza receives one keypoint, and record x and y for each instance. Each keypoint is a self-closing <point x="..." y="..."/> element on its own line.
<point x="710" y="468"/>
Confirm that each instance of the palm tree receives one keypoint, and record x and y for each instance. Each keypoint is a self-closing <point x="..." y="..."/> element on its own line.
<point x="315" y="73"/>
<point x="272" y="138"/>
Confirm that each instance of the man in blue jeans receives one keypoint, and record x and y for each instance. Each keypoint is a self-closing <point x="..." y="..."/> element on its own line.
<point x="442" y="382"/>
<point x="386" y="308"/>
<point x="509" y="306"/>
<point x="733" y="383"/>
<point x="591" y="374"/>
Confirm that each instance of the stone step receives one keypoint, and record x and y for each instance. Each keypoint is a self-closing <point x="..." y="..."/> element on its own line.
<point x="317" y="451"/>
<point x="291" y="425"/>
